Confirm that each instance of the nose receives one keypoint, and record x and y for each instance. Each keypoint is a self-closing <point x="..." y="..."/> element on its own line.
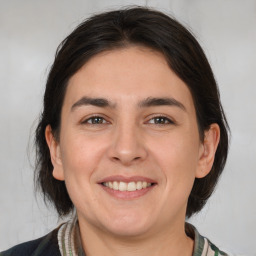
<point x="127" y="145"/>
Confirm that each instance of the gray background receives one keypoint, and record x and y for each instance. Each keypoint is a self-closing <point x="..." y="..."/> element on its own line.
<point x="29" y="34"/>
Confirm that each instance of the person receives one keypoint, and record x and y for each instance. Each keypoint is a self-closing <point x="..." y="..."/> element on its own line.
<point x="131" y="141"/>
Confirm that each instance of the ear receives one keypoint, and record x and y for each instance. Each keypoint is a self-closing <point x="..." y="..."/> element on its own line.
<point x="208" y="150"/>
<point x="54" y="148"/>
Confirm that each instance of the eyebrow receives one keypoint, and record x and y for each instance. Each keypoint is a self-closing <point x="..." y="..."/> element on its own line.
<point x="148" y="102"/>
<point x="166" y="101"/>
<point x="98" y="102"/>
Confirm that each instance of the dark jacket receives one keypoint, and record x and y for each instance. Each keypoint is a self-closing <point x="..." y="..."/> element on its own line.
<point x="44" y="246"/>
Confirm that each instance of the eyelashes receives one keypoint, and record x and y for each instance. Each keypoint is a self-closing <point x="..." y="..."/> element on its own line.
<point x="95" y="120"/>
<point x="159" y="120"/>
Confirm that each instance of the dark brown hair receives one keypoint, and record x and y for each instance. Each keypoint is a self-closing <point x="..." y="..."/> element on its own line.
<point x="119" y="29"/>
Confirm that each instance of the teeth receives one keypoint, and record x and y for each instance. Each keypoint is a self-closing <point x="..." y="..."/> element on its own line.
<point x="115" y="185"/>
<point x="144" y="184"/>
<point x="130" y="186"/>
<point x="122" y="186"/>
<point x="139" y="185"/>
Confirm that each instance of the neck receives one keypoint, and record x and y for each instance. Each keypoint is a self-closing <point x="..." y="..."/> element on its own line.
<point x="174" y="242"/>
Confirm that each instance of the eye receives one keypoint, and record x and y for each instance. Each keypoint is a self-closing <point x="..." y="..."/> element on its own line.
<point x="160" y="120"/>
<point x="95" y="120"/>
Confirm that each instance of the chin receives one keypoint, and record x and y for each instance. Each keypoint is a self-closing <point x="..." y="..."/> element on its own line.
<point x="129" y="226"/>
<point x="128" y="231"/>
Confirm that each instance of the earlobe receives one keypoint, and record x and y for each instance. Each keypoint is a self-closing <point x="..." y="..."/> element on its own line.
<point x="209" y="147"/>
<point x="54" y="148"/>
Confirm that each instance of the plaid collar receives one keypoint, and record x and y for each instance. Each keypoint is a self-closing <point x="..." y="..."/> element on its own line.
<point x="70" y="244"/>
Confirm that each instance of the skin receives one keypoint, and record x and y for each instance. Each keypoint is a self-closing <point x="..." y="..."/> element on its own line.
<point x="129" y="140"/>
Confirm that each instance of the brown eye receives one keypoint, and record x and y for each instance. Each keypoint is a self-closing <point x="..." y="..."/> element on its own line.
<point x="162" y="120"/>
<point x="95" y="120"/>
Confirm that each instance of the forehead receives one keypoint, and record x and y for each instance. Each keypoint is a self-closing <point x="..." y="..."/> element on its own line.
<point x="129" y="74"/>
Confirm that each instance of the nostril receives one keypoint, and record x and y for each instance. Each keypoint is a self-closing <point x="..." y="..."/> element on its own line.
<point x="126" y="159"/>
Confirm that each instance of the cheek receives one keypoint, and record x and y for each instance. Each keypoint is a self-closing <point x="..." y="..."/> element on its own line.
<point x="81" y="155"/>
<point x="176" y="150"/>
<point x="178" y="158"/>
<point x="80" y="159"/>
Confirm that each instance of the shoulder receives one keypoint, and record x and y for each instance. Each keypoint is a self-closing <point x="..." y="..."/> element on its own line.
<point x="46" y="245"/>
<point x="211" y="249"/>
<point x="202" y="245"/>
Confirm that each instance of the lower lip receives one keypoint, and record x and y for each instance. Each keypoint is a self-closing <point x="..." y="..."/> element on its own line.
<point x="127" y="195"/>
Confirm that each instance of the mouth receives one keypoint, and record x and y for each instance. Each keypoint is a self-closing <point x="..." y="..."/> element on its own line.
<point x="127" y="188"/>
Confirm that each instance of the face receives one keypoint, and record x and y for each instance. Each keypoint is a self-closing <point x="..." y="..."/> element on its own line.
<point x="129" y="147"/>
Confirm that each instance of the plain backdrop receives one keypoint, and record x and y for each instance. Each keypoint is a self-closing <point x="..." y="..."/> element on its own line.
<point x="29" y="34"/>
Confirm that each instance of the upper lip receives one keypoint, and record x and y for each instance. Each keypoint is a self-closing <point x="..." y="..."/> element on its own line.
<point x="127" y="179"/>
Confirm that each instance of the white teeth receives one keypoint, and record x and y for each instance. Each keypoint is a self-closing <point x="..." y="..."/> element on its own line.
<point x="115" y="185"/>
<point x="130" y="186"/>
<point x="122" y="186"/>
<point x="139" y="185"/>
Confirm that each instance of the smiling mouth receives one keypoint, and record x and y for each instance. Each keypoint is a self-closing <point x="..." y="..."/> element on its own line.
<point x="127" y="186"/>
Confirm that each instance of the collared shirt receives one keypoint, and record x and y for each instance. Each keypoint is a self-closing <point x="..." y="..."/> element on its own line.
<point x="66" y="241"/>
<point x="70" y="242"/>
